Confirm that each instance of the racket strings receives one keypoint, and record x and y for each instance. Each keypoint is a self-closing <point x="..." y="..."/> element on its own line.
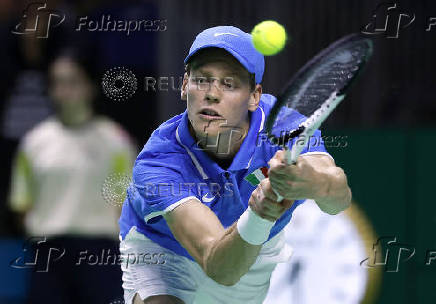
<point x="328" y="74"/>
<point x="330" y="77"/>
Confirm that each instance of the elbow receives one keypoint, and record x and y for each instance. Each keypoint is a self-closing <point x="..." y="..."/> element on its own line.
<point x="331" y="211"/>
<point x="343" y="196"/>
<point x="224" y="279"/>
<point x="346" y="200"/>
<point x="222" y="276"/>
<point x="219" y="274"/>
<point x="341" y="204"/>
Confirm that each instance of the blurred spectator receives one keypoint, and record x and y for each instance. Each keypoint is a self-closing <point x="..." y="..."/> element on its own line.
<point x="56" y="189"/>
<point x="23" y="90"/>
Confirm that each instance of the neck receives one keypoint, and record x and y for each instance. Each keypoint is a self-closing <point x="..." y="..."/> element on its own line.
<point x="75" y="118"/>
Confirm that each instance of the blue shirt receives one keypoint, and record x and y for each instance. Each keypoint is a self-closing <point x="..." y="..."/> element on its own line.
<point x="172" y="169"/>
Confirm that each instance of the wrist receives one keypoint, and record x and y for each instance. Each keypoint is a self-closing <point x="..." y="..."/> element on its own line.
<point x="252" y="228"/>
<point x="323" y="186"/>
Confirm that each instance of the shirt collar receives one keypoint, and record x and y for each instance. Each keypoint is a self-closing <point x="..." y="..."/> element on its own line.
<point x="204" y="164"/>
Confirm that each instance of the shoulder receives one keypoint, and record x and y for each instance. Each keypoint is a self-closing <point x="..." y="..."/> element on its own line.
<point x="293" y="117"/>
<point x="162" y="154"/>
<point x="43" y="132"/>
<point x="48" y="125"/>
<point x="112" y="131"/>
<point x="266" y="103"/>
<point x="163" y="140"/>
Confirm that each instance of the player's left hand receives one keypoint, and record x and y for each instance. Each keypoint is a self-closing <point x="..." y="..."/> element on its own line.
<point x="299" y="181"/>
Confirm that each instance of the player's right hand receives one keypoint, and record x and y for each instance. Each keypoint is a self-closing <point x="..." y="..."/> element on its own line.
<point x="263" y="201"/>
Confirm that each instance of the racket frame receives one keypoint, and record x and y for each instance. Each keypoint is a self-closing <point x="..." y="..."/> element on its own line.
<point x="309" y="126"/>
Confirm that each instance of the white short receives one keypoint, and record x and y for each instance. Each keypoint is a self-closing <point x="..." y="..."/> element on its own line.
<point x="149" y="269"/>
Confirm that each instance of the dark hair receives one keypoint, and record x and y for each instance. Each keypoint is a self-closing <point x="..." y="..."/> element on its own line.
<point x="84" y="59"/>
<point x="79" y="57"/>
<point x="199" y="59"/>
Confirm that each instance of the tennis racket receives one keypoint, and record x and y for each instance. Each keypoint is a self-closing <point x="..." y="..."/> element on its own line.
<point x="315" y="91"/>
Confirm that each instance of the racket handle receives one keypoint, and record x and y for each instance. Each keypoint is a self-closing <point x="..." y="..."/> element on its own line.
<point x="288" y="161"/>
<point x="288" y="157"/>
<point x="279" y="197"/>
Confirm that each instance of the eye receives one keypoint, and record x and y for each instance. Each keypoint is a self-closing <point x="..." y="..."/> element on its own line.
<point x="201" y="80"/>
<point x="229" y="83"/>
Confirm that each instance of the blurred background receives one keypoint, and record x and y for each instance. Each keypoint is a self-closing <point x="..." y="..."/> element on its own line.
<point x="387" y="125"/>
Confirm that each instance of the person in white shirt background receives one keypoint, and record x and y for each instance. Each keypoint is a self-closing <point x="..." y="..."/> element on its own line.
<point x="56" y="189"/>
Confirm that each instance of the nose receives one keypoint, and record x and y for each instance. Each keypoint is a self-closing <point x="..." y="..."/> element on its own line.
<point x="213" y="92"/>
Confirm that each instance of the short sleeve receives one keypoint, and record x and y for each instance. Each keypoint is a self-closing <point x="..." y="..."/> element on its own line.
<point x="21" y="191"/>
<point x="291" y="120"/>
<point x="157" y="189"/>
<point x="122" y="147"/>
<point x="315" y="145"/>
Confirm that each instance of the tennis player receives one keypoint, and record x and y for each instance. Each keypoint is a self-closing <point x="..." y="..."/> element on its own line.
<point x="192" y="229"/>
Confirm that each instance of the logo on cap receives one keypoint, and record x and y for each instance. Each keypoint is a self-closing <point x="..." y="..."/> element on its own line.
<point x="219" y="34"/>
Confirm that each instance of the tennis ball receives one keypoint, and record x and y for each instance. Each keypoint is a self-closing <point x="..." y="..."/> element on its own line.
<point x="269" y="37"/>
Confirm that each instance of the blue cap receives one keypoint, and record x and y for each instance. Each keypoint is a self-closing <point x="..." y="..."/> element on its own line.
<point x="234" y="41"/>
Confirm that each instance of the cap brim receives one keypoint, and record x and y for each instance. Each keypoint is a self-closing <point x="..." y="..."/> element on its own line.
<point x="238" y="57"/>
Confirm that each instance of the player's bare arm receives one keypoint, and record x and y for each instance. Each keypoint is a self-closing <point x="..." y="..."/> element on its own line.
<point x="222" y="253"/>
<point x="314" y="176"/>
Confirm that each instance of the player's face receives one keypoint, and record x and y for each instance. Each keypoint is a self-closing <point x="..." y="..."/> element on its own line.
<point x="70" y="88"/>
<point x="219" y="97"/>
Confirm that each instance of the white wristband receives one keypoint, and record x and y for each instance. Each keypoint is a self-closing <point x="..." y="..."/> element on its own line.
<point x="252" y="228"/>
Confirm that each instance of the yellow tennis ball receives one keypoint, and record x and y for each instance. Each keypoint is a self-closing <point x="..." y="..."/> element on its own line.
<point x="269" y="37"/>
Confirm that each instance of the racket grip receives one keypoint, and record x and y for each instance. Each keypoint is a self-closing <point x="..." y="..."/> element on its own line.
<point x="279" y="197"/>
<point x="288" y="157"/>
<point x="288" y="161"/>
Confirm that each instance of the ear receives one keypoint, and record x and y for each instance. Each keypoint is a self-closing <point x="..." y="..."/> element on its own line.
<point x="184" y="89"/>
<point x="255" y="98"/>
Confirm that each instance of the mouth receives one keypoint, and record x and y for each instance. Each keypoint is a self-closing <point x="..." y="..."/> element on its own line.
<point x="209" y="114"/>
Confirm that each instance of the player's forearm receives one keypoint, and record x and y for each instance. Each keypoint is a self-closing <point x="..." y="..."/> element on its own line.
<point x="334" y="195"/>
<point x="230" y="257"/>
